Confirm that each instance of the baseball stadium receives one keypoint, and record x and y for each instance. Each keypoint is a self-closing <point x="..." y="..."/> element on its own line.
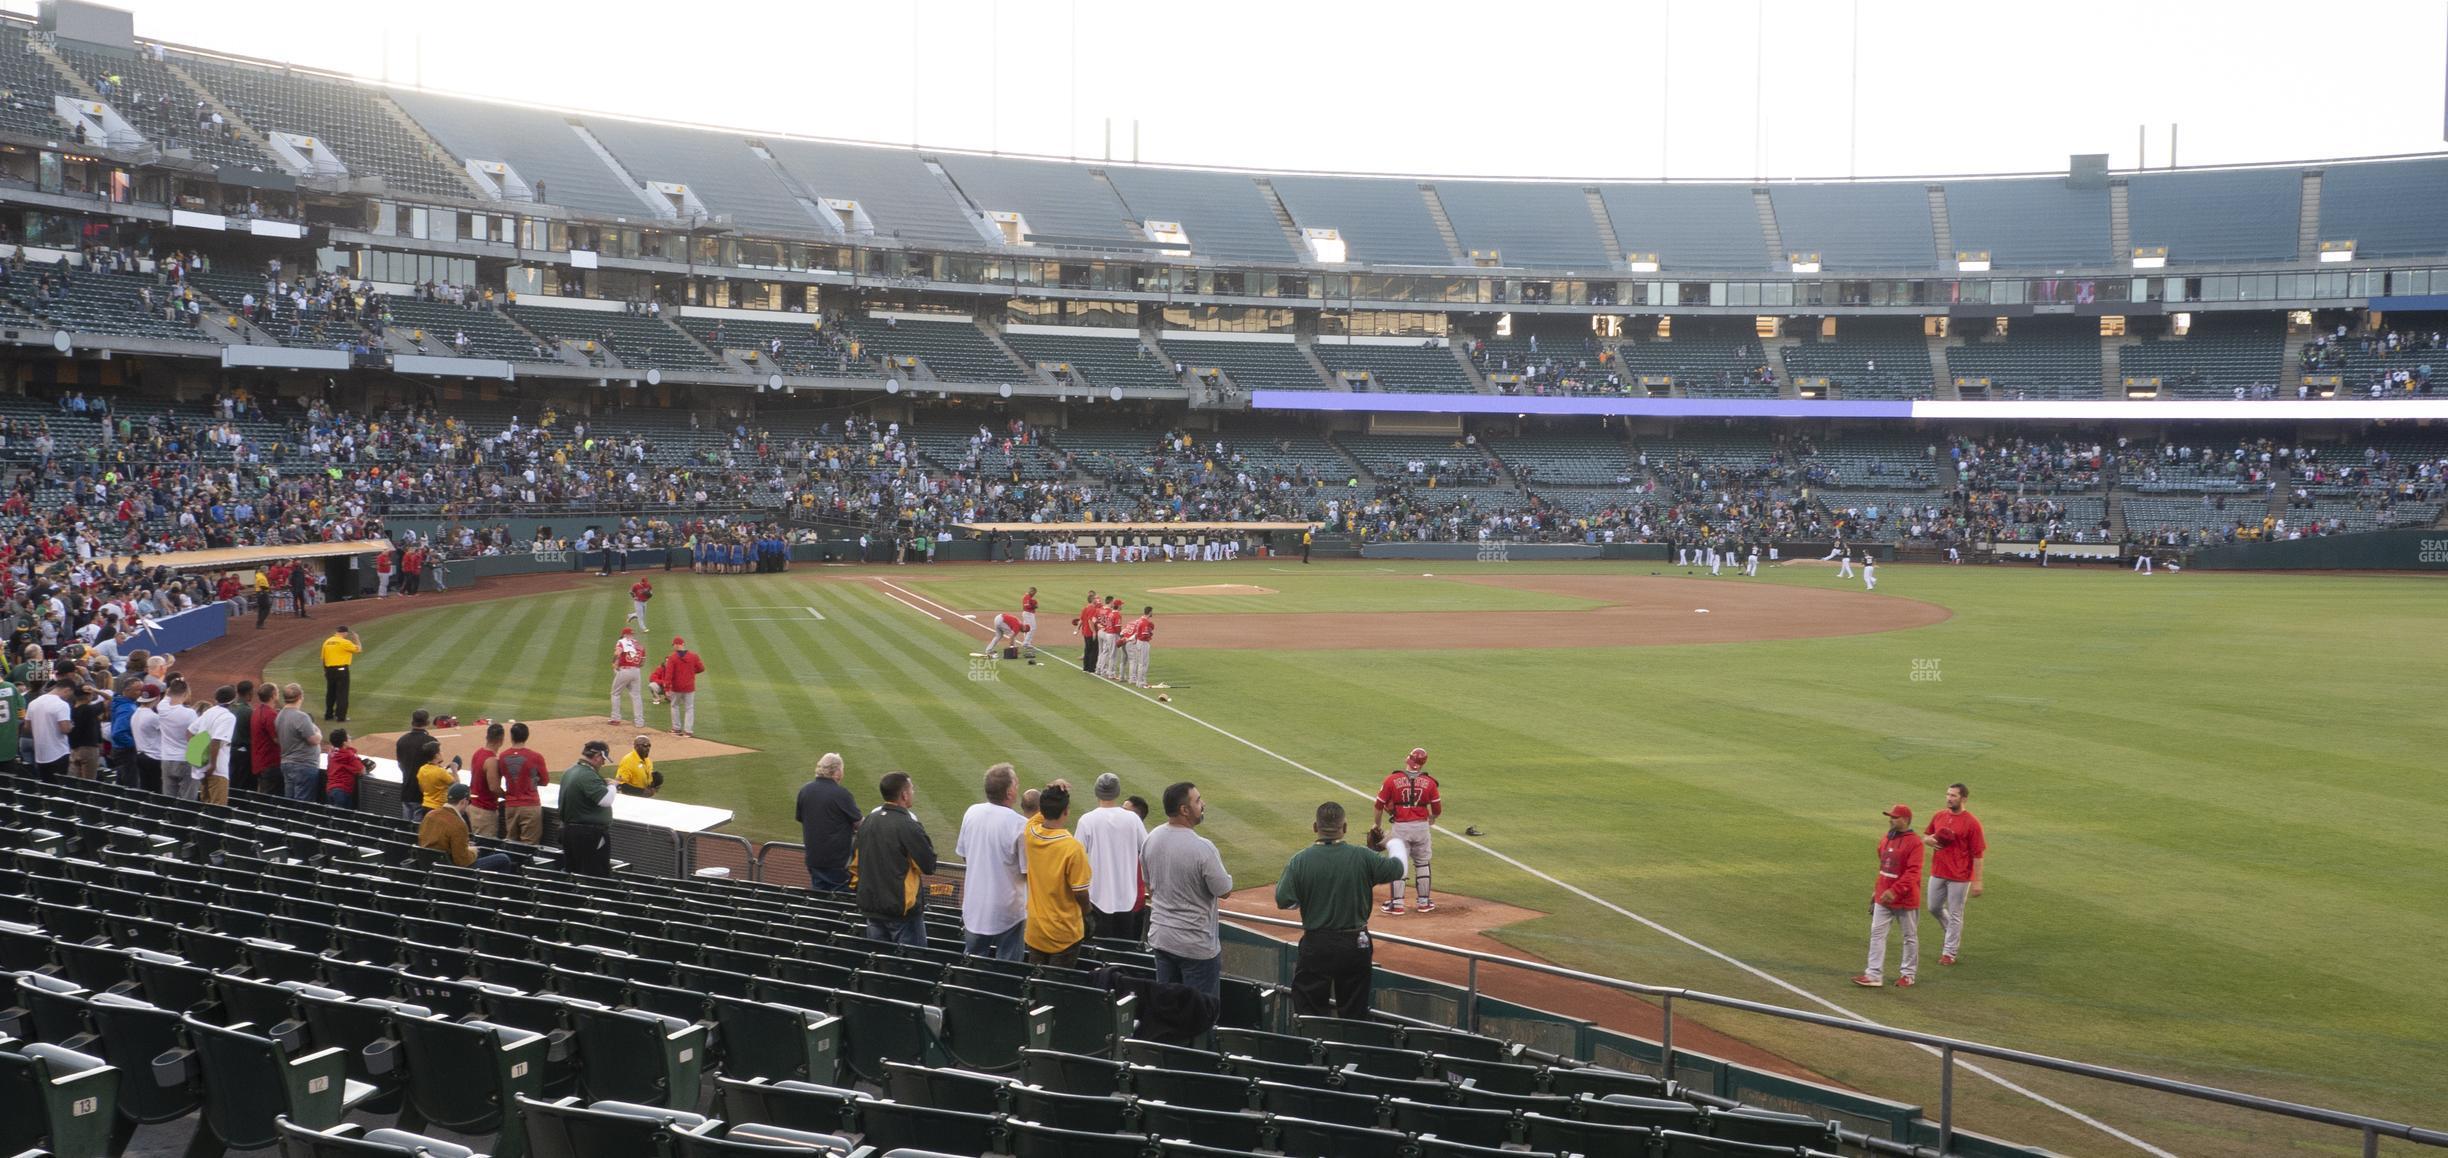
<point x="539" y="632"/>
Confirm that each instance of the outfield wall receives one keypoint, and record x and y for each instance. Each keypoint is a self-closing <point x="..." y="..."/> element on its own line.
<point x="2423" y="549"/>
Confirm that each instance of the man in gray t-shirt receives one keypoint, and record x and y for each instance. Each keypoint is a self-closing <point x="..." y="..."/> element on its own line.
<point x="301" y="746"/>
<point x="1185" y="879"/>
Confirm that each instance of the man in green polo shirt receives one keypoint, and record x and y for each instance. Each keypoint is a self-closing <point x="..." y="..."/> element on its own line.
<point x="586" y="813"/>
<point x="1334" y="885"/>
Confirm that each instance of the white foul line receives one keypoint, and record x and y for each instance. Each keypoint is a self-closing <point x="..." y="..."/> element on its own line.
<point x="813" y="613"/>
<point x="1595" y="899"/>
<point x="912" y="606"/>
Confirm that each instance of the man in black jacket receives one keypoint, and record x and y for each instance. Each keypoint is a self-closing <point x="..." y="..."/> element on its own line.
<point x="828" y="819"/>
<point x="889" y="871"/>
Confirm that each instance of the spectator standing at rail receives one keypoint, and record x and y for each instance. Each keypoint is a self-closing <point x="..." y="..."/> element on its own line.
<point x="828" y="822"/>
<point x="586" y="813"/>
<point x="1333" y="885"/>
<point x="993" y="904"/>
<point x="1185" y="880"/>
<point x="894" y="854"/>
<point x="1059" y="876"/>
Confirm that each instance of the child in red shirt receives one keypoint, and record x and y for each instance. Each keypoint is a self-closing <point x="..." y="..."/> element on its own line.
<point x="341" y="768"/>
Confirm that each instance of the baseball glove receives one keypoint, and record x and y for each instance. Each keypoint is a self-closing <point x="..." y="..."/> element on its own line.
<point x="1376" y="839"/>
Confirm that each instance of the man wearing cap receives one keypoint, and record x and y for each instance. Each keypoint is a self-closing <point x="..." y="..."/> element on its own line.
<point x="677" y="676"/>
<point x="586" y="813"/>
<point x="639" y="593"/>
<point x="340" y="650"/>
<point x="1895" y="901"/>
<point x="1111" y="835"/>
<point x="1331" y="883"/>
<point x="446" y="829"/>
<point x="627" y="659"/>
<point x="1410" y="796"/>
<point x="1955" y="868"/>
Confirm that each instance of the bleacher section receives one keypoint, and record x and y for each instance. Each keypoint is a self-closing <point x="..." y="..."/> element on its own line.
<point x="433" y="326"/>
<point x="346" y="115"/>
<point x="2145" y="514"/>
<point x="1250" y="365"/>
<point x="891" y="186"/>
<point x="2220" y="353"/>
<point x="955" y="349"/>
<point x="2035" y="361"/>
<point x="1707" y="358"/>
<point x="261" y="996"/>
<point x="1268" y="450"/>
<point x="952" y="449"/>
<point x="98" y="303"/>
<point x="1063" y="204"/>
<point x="1382" y="221"/>
<point x="2240" y="215"/>
<point x="1389" y="456"/>
<point x="1121" y="360"/>
<point x="1568" y="460"/>
<point x="716" y="166"/>
<point x="2367" y="204"/>
<point x="1397" y="369"/>
<point x="1688" y="227"/>
<point x="637" y="340"/>
<point x="316" y="329"/>
<point x="1225" y="214"/>
<point x="2024" y="223"/>
<point x="1545" y="224"/>
<point x="538" y="143"/>
<point x="161" y="106"/>
<point x="1868" y="358"/>
<point x="801" y="353"/>
<point x="1883" y="225"/>
<point x="30" y="82"/>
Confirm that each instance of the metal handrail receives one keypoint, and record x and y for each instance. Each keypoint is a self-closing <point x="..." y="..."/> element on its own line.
<point x="2373" y="1129"/>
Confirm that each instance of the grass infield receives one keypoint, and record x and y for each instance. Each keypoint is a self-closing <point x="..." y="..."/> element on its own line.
<point x="2217" y="841"/>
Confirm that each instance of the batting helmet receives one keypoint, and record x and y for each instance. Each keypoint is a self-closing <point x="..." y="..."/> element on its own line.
<point x="1418" y="760"/>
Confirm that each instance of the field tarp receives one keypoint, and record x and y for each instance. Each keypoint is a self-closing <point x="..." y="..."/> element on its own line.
<point x="2423" y="549"/>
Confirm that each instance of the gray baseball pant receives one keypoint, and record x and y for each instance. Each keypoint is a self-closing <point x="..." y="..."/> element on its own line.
<point x="625" y="681"/>
<point x="1881" y="918"/>
<point x="1946" y="906"/>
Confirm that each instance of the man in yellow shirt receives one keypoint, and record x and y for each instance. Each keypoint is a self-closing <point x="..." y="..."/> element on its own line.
<point x="433" y="780"/>
<point x="263" y="597"/>
<point x="637" y="775"/>
<point x="1057" y="882"/>
<point x="339" y="651"/>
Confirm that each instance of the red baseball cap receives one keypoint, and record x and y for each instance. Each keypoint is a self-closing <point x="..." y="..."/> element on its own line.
<point x="679" y="642"/>
<point x="628" y="631"/>
<point x="1902" y="810"/>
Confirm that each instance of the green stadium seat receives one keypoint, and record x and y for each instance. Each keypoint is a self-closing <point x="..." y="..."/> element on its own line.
<point x="465" y="1076"/>
<point x="1380" y="1060"/>
<point x="1351" y="1029"/>
<point x="1205" y="1089"/>
<point x="94" y="964"/>
<point x="1087" y="1020"/>
<point x="1248" y="1004"/>
<point x="349" y="1140"/>
<point x="251" y="1079"/>
<point x="631" y="1055"/>
<point x="1229" y="1129"/>
<point x="796" y="1105"/>
<point x="943" y="1088"/>
<point x="756" y="1140"/>
<point x="777" y="1042"/>
<point x="1319" y="1103"/>
<point x="1444" y="1148"/>
<point x="987" y="1031"/>
<point x="363" y="1030"/>
<point x="881" y="1029"/>
<point x="49" y="1008"/>
<point x="1770" y="1127"/>
<point x="1281" y="1048"/>
<point x="599" y="988"/>
<point x="1076" y="1112"/>
<point x="57" y="1099"/>
<point x="132" y="1035"/>
<point x="889" y="1126"/>
<point x="1456" y="1043"/>
<point x="1378" y="1085"/>
<point x="270" y="1006"/>
<point x="1597" y="1082"/>
<point x="1648" y="1113"/>
<point x="172" y="983"/>
<point x="1302" y="1138"/>
<point x="1036" y="1140"/>
<point x="1139" y="1051"/>
<point x="1072" y="1073"/>
<point x="1501" y="1077"/>
<point x="608" y="1129"/>
<point x="1674" y="1144"/>
<point x="1456" y="1123"/>
<point x="915" y="989"/>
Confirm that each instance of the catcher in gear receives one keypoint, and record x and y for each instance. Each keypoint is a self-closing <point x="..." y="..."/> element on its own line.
<point x="1410" y="797"/>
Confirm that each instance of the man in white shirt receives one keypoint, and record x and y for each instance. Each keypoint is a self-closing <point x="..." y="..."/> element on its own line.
<point x="221" y="724"/>
<point x="179" y="779"/>
<point x="1111" y="835"/>
<point x="48" y="718"/>
<point x="993" y="906"/>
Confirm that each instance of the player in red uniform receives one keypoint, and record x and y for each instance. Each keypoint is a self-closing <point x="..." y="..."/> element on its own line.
<point x="1955" y="866"/>
<point x="1109" y="638"/>
<point x="1028" y="617"/>
<point x="627" y="659"/>
<point x="1087" y="621"/>
<point x="639" y="593"/>
<point x="1136" y="635"/>
<point x="1007" y="626"/>
<point x="1410" y="796"/>
<point x="1895" y="901"/>
<point x="677" y="676"/>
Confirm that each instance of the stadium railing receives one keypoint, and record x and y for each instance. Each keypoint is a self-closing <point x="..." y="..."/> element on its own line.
<point x="1473" y="1006"/>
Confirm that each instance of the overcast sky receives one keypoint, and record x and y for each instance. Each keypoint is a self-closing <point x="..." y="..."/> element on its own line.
<point x="1617" y="88"/>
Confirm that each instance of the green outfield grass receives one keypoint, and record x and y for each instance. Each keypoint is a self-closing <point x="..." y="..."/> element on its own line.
<point x="2216" y="828"/>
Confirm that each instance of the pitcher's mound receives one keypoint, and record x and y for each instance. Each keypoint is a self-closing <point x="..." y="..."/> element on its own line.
<point x="1213" y="589"/>
<point x="561" y="740"/>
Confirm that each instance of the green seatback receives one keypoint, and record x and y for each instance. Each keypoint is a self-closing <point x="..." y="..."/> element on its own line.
<point x="986" y="1031"/>
<point x="57" y="1100"/>
<point x="777" y="1042"/>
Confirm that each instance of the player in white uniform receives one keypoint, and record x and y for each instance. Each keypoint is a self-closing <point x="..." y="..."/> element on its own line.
<point x="2142" y="562"/>
<point x="1869" y="573"/>
<point x="1751" y="565"/>
<point x="1844" y="566"/>
<point x="627" y="658"/>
